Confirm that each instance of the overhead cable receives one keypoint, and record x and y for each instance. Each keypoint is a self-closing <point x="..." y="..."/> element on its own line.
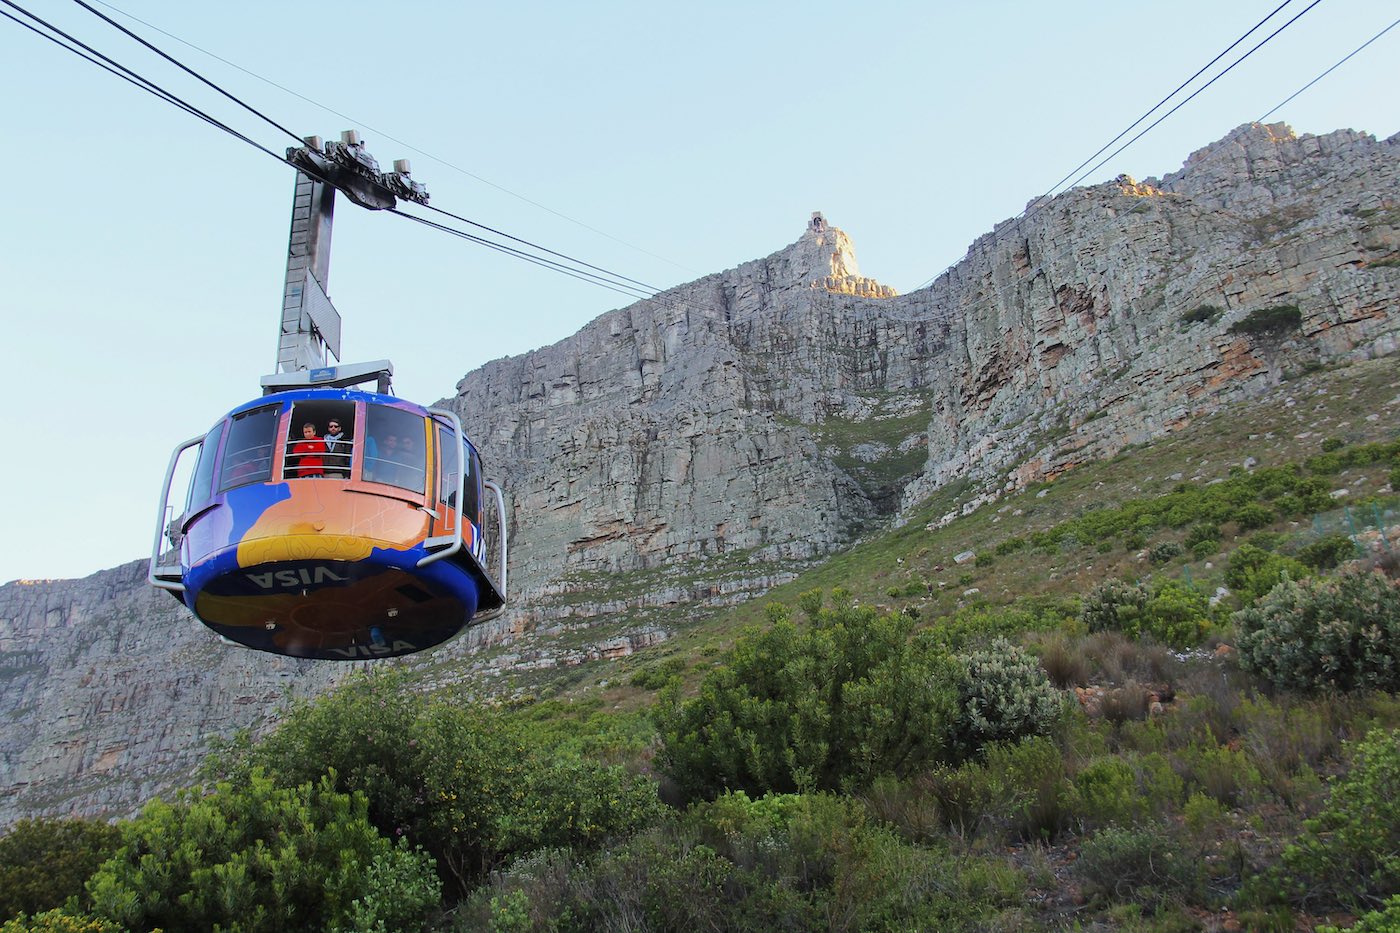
<point x="600" y="276"/>
<point x="1300" y="90"/>
<point x="1040" y="202"/>
<point x="89" y="54"/>
<point x="439" y="159"/>
<point x="1153" y="109"/>
<point x="185" y="68"/>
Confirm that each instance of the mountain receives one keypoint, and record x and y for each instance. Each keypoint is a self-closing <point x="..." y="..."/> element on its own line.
<point x="697" y="448"/>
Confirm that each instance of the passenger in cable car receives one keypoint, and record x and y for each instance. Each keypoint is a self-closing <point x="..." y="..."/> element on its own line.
<point x="409" y="470"/>
<point x="338" y="451"/>
<point x="309" y="453"/>
<point x="380" y="459"/>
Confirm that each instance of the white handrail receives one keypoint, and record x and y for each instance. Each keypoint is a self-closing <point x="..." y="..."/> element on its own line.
<point x="461" y="488"/>
<point x="501" y="520"/>
<point x="161" y="529"/>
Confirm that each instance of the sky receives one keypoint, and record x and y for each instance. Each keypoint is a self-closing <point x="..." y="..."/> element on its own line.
<point x="142" y="252"/>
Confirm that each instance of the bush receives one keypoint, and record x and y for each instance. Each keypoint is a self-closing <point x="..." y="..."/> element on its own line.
<point x="1253" y="515"/>
<point x="1003" y="694"/>
<point x="1064" y="665"/>
<point x="1270" y="321"/>
<point x="828" y="708"/>
<point x="1332" y="443"/>
<point x="1341" y="633"/>
<point x="1164" y="552"/>
<point x="1010" y="546"/>
<point x="45" y="862"/>
<point x="1202" y="314"/>
<point x="1019" y="789"/>
<point x="467" y="783"/>
<point x="1385" y="920"/>
<point x="58" y="921"/>
<point x="1221" y="773"/>
<point x="259" y="857"/>
<point x="1203" y="533"/>
<point x="1144" y="866"/>
<point x="1350" y="854"/>
<point x="656" y="676"/>
<point x="1327" y="552"/>
<point x="1171" y="612"/>
<point x="1252" y="571"/>
<point x="1114" y="606"/>
<point x="1324" y="464"/>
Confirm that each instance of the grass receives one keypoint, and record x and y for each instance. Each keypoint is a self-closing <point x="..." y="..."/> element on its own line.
<point x="1286" y="425"/>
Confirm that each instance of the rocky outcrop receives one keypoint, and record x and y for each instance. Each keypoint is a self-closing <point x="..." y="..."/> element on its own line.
<point x="112" y="692"/>
<point x="698" y="447"/>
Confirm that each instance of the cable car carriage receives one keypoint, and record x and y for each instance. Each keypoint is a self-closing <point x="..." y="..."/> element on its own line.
<point x="378" y="544"/>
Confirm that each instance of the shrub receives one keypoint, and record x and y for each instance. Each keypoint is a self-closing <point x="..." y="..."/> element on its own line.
<point x="1331" y="634"/>
<point x="1203" y="533"/>
<point x="828" y="708"/>
<point x="1106" y="793"/>
<point x="1126" y="703"/>
<point x="1003" y="694"/>
<point x="1020" y="789"/>
<point x="1324" y="464"/>
<point x="1270" y="321"/>
<point x="1144" y="866"/>
<point x="1202" y="314"/>
<point x="1221" y="773"/>
<point x="1114" y="606"/>
<point x="1170" y="612"/>
<point x="1327" y="552"/>
<point x="44" y="862"/>
<point x="1384" y="920"/>
<point x="434" y="771"/>
<point x="1350" y="854"/>
<point x="58" y="921"/>
<point x="259" y="857"/>
<point x="1010" y="546"/>
<point x="1252" y="571"/>
<point x="657" y="676"/>
<point x="1252" y="516"/>
<point x="1065" y="666"/>
<point x="800" y="861"/>
<point x="1332" y="443"/>
<point x="1164" y="552"/>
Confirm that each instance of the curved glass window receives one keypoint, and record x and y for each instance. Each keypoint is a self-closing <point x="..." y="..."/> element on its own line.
<point x="472" y="507"/>
<point x="202" y="485"/>
<point x="448" y="465"/>
<point x="394" y="448"/>
<point x="252" y="436"/>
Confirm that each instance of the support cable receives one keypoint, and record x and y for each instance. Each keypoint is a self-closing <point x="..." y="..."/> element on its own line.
<point x="185" y="68"/>
<point x="1328" y="71"/>
<point x="438" y="159"/>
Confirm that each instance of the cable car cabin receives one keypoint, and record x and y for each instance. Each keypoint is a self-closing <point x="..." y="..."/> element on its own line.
<point x="374" y="545"/>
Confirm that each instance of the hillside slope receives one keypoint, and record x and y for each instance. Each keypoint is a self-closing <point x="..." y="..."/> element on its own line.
<point x="694" y="450"/>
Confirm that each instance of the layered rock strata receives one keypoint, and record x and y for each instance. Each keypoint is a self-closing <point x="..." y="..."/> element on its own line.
<point x="698" y="447"/>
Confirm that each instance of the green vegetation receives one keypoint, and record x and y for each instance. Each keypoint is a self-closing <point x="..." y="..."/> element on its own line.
<point x="1268" y="321"/>
<point x="1163" y="697"/>
<point x="45" y="862"/>
<point x="1204" y="314"/>
<point x="261" y="857"/>
<point x="1330" y="634"/>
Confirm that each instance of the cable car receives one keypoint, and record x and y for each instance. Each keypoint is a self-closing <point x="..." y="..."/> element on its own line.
<point x="383" y="544"/>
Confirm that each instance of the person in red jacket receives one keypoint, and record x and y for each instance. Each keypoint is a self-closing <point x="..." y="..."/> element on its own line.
<point x="310" y="453"/>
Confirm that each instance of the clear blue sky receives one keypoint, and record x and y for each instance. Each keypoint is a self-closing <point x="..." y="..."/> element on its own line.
<point x="142" y="251"/>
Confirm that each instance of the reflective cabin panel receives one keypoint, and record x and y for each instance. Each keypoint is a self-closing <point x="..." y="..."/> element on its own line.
<point x="248" y="453"/>
<point x="394" y="448"/>
<point x="202" y="484"/>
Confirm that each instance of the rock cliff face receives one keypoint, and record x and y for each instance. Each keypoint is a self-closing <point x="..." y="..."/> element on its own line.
<point x="734" y="428"/>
